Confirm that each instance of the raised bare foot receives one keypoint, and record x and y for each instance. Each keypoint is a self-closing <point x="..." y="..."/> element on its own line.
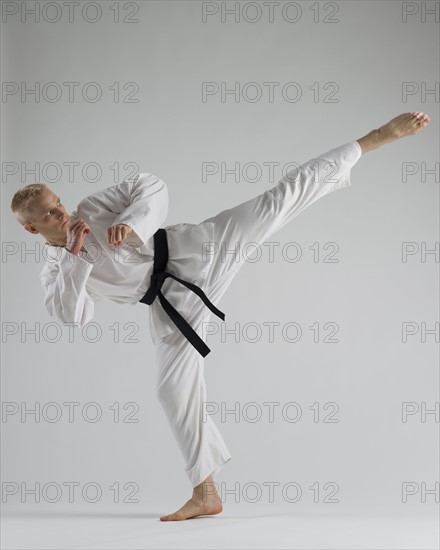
<point x="194" y="507"/>
<point x="403" y="125"/>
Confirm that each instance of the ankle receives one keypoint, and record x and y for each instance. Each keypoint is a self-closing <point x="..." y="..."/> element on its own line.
<point x="208" y="492"/>
<point x="371" y="141"/>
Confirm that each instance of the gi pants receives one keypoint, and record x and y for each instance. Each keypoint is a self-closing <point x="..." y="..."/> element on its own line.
<point x="181" y="385"/>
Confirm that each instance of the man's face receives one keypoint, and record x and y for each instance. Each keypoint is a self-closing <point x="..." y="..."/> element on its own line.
<point x="47" y="215"/>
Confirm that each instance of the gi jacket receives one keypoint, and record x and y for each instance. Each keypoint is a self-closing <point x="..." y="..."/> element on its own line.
<point x="73" y="284"/>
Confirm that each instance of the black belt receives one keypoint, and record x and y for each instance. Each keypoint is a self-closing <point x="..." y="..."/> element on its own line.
<point x="157" y="279"/>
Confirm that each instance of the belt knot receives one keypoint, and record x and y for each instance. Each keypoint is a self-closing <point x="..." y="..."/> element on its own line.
<point x="157" y="280"/>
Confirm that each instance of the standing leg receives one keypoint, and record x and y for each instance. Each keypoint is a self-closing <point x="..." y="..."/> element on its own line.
<point x="181" y="390"/>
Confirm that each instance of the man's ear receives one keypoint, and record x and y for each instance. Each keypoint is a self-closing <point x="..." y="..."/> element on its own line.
<point x="29" y="227"/>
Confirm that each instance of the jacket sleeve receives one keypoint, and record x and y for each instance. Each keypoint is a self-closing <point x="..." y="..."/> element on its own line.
<point x="141" y="204"/>
<point x="66" y="297"/>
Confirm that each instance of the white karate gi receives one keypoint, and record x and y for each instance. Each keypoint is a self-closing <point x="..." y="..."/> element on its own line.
<point x="121" y="274"/>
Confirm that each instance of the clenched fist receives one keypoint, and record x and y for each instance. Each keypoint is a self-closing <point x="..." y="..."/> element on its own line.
<point x="116" y="234"/>
<point x="76" y="233"/>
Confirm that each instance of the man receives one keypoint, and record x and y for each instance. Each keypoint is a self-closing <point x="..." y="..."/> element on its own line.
<point x="86" y="263"/>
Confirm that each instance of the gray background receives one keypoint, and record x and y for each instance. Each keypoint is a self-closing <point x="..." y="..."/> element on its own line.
<point x="369" y="292"/>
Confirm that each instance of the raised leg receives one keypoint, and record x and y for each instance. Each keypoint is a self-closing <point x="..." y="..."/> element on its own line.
<point x="256" y="220"/>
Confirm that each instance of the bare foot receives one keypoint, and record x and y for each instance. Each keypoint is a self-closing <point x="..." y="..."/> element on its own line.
<point x="204" y="502"/>
<point x="403" y="125"/>
<point x="193" y="508"/>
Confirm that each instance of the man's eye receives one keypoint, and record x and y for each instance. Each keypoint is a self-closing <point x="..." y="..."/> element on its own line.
<point x="50" y="211"/>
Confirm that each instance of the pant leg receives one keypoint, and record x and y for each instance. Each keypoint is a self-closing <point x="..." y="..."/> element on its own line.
<point x="181" y="390"/>
<point x="180" y="381"/>
<point x="257" y="219"/>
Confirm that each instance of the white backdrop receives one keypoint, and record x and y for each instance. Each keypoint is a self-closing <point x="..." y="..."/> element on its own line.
<point x="358" y="305"/>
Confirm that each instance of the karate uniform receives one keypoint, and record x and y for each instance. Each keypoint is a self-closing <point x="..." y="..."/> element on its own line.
<point x="73" y="284"/>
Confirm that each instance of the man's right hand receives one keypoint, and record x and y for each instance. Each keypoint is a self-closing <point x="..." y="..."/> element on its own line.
<point x="76" y="233"/>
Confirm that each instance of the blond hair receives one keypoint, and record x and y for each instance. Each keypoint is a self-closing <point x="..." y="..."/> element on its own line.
<point x="21" y="199"/>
